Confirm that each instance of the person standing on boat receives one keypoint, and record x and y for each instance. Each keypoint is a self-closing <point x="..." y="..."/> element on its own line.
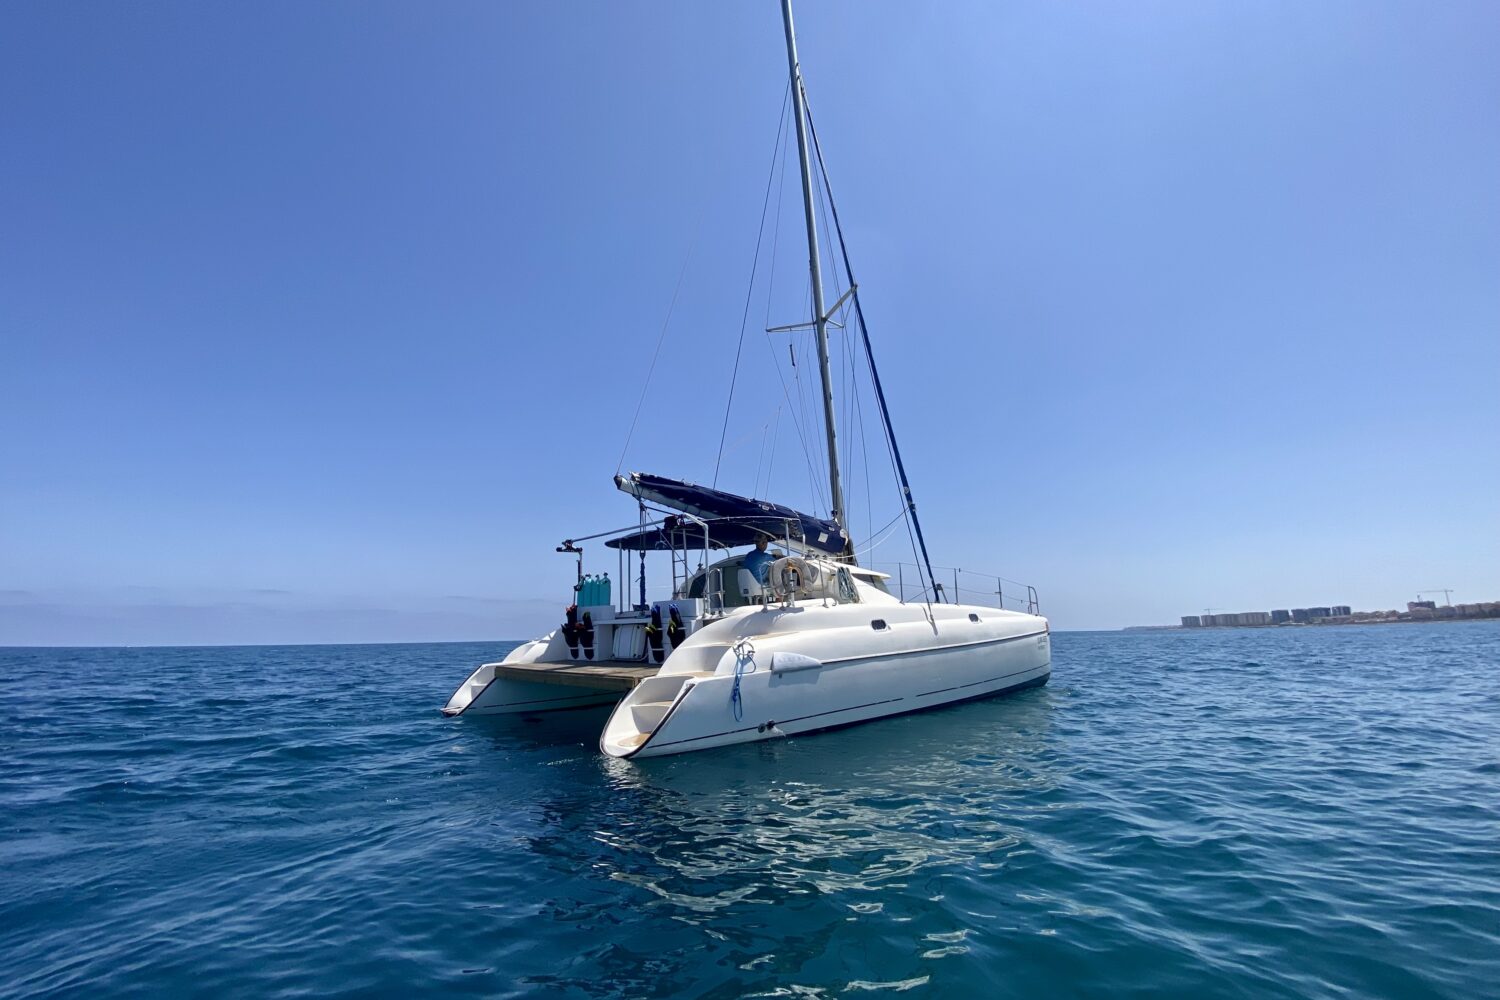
<point x="759" y="562"/>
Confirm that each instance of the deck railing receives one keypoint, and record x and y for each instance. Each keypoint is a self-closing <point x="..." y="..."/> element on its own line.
<point x="955" y="585"/>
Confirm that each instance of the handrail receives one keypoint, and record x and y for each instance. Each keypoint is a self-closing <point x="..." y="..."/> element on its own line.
<point x="638" y="526"/>
<point x="714" y="598"/>
<point x="957" y="590"/>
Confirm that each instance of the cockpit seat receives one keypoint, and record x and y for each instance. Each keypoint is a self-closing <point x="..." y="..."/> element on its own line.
<point x="750" y="588"/>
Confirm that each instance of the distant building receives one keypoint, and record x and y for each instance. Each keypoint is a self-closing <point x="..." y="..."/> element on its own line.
<point x="1341" y="614"/>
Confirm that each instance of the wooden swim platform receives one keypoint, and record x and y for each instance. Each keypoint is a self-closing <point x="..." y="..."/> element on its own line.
<point x="600" y="675"/>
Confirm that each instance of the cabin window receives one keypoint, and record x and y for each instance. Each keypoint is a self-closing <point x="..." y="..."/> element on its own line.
<point x="879" y="625"/>
<point x="847" y="592"/>
<point x="973" y="617"/>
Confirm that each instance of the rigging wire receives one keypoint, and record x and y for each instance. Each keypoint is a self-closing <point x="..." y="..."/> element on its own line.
<point x="824" y="194"/>
<point x="760" y="460"/>
<point x="808" y="408"/>
<point x="884" y="533"/>
<point x="750" y="290"/>
<point x="771" y="462"/>
<point x="786" y="392"/>
<point x="660" y="337"/>
<point x="838" y="291"/>
<point x="914" y="526"/>
<point x="864" y="444"/>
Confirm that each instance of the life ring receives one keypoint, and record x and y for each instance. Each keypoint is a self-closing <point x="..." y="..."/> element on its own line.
<point x="788" y="575"/>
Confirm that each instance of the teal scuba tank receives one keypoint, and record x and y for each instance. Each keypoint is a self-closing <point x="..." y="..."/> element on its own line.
<point x="604" y="596"/>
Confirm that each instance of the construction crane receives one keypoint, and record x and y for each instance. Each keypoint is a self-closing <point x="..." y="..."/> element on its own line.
<point x="1437" y="590"/>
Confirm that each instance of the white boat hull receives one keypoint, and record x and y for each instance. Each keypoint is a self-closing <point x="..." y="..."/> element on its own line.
<point x="678" y="713"/>
<point x="485" y="693"/>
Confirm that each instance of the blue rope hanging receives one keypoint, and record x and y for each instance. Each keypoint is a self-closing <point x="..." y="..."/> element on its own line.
<point x="744" y="655"/>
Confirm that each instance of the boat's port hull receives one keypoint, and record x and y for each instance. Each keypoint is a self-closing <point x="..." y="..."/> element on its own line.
<point x="505" y="696"/>
<point x="536" y="678"/>
<point x="705" y="712"/>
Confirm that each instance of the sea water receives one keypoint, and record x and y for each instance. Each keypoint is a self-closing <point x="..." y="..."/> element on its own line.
<point x="1309" y="812"/>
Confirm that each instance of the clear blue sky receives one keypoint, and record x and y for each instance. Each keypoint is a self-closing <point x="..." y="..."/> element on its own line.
<point x="325" y="321"/>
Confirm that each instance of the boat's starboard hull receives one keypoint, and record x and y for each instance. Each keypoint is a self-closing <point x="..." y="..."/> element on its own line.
<point x="758" y="702"/>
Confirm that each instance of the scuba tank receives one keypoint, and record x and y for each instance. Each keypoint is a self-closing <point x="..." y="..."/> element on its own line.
<point x="676" y="631"/>
<point x="604" y="595"/>
<point x="586" y="591"/>
<point x="653" y="633"/>
<point x="570" y="630"/>
<point x="586" y="635"/>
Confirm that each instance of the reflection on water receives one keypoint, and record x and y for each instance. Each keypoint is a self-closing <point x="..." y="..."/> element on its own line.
<point x="837" y="812"/>
<point x="779" y="849"/>
<point x="1266" y="815"/>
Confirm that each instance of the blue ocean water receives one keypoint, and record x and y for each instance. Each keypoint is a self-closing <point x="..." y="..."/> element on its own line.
<point x="1230" y="813"/>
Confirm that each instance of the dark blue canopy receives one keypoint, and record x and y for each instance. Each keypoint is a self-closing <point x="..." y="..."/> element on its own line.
<point x="680" y="533"/>
<point x="756" y="517"/>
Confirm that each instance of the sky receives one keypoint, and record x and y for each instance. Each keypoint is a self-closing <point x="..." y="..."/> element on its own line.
<point x="326" y="322"/>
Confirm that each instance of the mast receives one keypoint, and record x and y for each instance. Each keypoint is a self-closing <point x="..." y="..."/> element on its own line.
<point x="820" y="321"/>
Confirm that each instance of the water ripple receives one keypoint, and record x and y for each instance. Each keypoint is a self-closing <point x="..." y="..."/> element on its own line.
<point x="1309" y="813"/>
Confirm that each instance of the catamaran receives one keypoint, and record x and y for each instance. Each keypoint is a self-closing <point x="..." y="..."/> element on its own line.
<point x="741" y="652"/>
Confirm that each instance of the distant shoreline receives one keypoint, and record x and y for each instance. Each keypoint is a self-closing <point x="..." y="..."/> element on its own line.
<point x="1295" y="625"/>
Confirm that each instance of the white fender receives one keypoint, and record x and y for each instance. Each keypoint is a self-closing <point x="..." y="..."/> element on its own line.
<point x="786" y="663"/>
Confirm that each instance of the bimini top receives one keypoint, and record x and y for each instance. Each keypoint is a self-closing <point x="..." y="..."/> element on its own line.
<point x="749" y="518"/>
<point x="675" y="532"/>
